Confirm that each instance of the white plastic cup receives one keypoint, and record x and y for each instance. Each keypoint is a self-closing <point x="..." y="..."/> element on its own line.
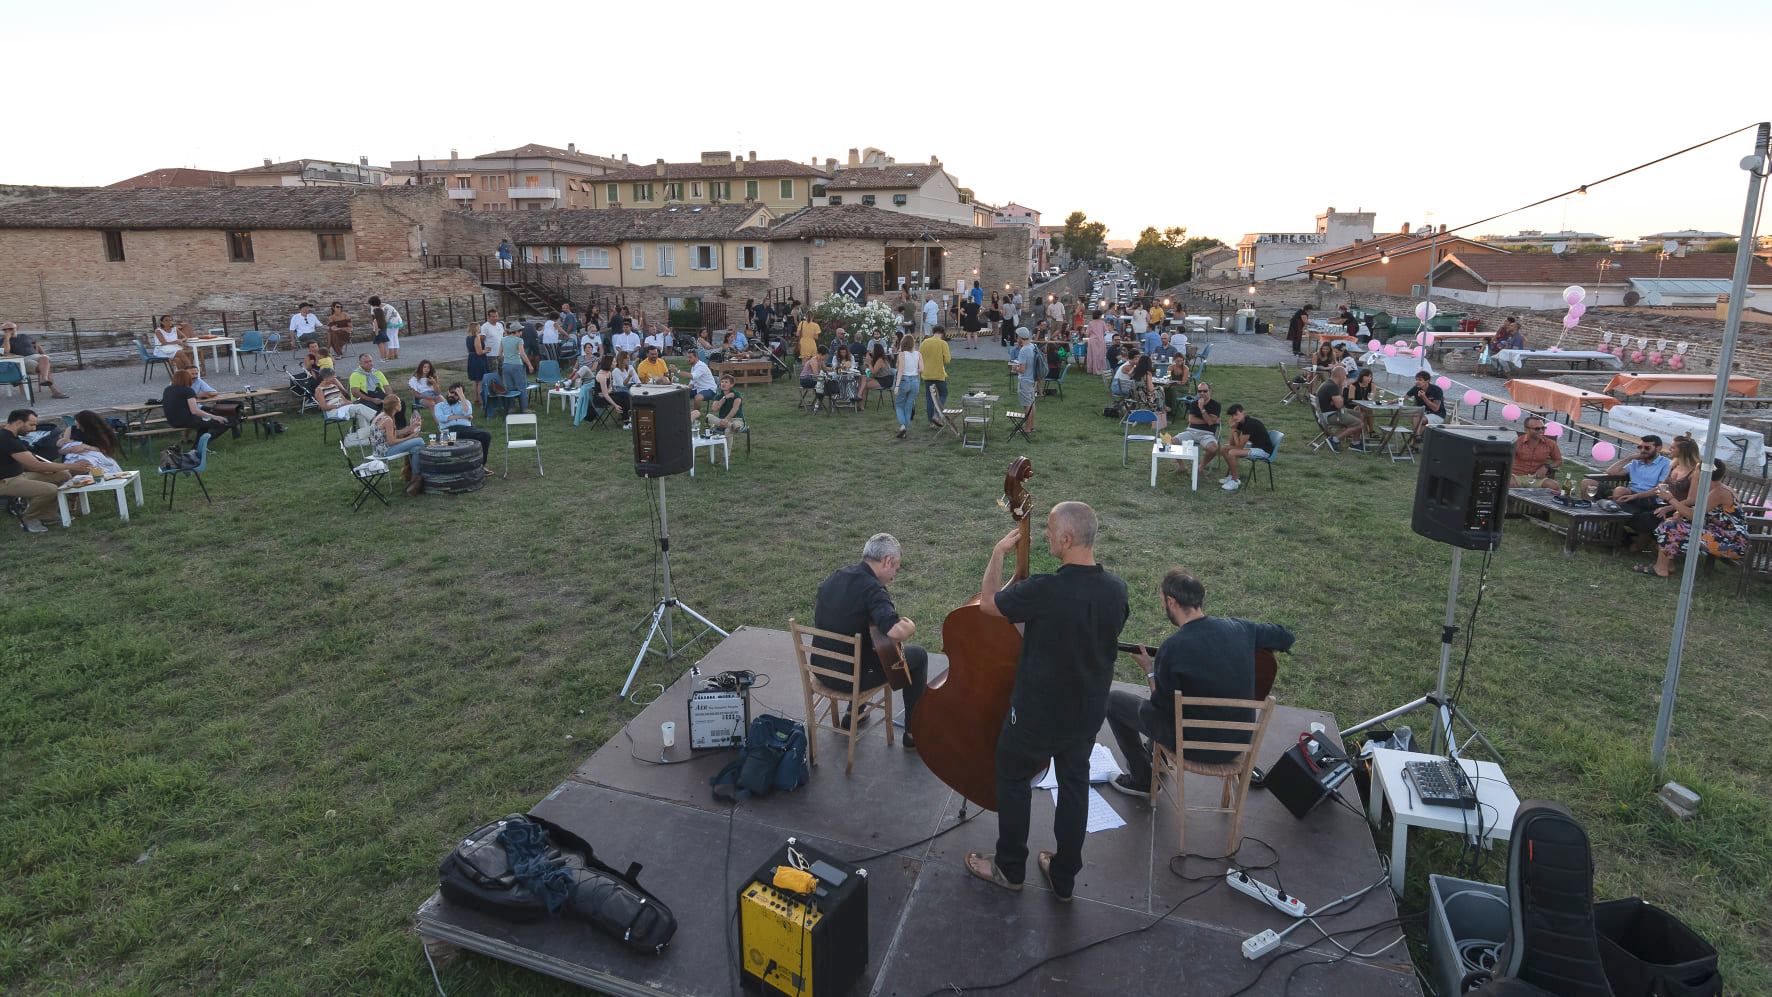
<point x="667" y="732"/>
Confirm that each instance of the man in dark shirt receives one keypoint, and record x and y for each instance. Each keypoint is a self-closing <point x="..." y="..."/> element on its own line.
<point x="16" y="343"/>
<point x="1295" y="330"/>
<point x="1343" y="423"/>
<point x="23" y="474"/>
<point x="1207" y="657"/>
<point x="853" y="597"/>
<point x="1202" y="424"/>
<point x="1249" y="438"/>
<point x="1071" y="624"/>
<point x="1432" y="400"/>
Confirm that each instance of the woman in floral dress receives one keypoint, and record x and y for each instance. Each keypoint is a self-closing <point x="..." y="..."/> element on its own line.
<point x="1724" y="529"/>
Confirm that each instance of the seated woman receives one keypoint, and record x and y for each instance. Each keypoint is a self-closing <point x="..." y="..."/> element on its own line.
<point x="622" y="377"/>
<point x="455" y="414"/>
<point x="390" y="441"/>
<point x="1121" y="385"/>
<point x="880" y="374"/>
<point x="1725" y="532"/>
<point x="179" y="403"/>
<point x="168" y="340"/>
<point x="1144" y="390"/>
<point x="90" y="440"/>
<point x="425" y="389"/>
<point x="582" y="382"/>
<point x="1363" y="389"/>
<point x="1346" y="362"/>
<point x="704" y="344"/>
<point x="336" y="405"/>
<point x="1324" y="356"/>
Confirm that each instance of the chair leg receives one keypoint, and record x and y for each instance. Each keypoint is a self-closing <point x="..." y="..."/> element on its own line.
<point x="889" y="724"/>
<point x="203" y="486"/>
<point x="1236" y="831"/>
<point x="854" y="731"/>
<point x="1180" y="806"/>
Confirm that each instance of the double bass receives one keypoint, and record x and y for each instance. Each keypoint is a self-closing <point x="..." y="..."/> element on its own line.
<point x="960" y="715"/>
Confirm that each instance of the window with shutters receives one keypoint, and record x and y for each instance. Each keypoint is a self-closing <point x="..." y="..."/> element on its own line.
<point x="332" y="245"/>
<point x="114" y="246"/>
<point x="642" y="192"/>
<point x="667" y="261"/>
<point x="556" y="254"/>
<point x="673" y="192"/>
<point x="240" y="247"/>
<point x="637" y="257"/>
<point x="704" y="257"/>
<point x="836" y="199"/>
<point x="787" y="190"/>
<point x="612" y="193"/>
<point x="876" y="281"/>
<point x="900" y="199"/>
<point x="867" y="199"/>
<point x="750" y="257"/>
<point x="818" y="189"/>
<point x="695" y="191"/>
<point x="720" y="190"/>
<point x="750" y="189"/>
<point x="593" y="259"/>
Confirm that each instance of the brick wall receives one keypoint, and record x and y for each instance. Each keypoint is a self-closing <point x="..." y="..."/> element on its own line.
<point x="1004" y="258"/>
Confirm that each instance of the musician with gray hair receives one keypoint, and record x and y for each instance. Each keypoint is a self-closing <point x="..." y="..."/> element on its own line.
<point x="853" y="599"/>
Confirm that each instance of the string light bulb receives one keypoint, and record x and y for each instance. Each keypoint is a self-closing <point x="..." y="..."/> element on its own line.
<point x="1251" y="288"/>
<point x="1386" y="258"/>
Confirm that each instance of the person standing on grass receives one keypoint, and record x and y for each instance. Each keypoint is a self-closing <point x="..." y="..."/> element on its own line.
<point x="1029" y="371"/>
<point x="1055" y="314"/>
<point x="388" y="325"/>
<point x="931" y="312"/>
<point x="1072" y="622"/>
<point x="936" y="357"/>
<point x="908" y="383"/>
<point x="1295" y="329"/>
<point x="23" y="474"/>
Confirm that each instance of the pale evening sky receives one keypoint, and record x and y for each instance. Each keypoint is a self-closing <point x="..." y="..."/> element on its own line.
<point x="1235" y="118"/>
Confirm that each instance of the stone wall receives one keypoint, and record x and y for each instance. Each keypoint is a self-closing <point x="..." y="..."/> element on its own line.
<point x="1005" y="259"/>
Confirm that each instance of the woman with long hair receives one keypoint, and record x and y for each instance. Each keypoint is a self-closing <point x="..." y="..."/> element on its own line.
<point x="425" y="388"/>
<point x="1725" y="532"/>
<point x="391" y="441"/>
<point x="179" y="404"/>
<point x="90" y="439"/>
<point x="1095" y="356"/>
<point x="908" y="381"/>
<point x="168" y="338"/>
<point x="338" y="329"/>
<point x="1144" y="389"/>
<point x="879" y="376"/>
<point x="622" y="376"/>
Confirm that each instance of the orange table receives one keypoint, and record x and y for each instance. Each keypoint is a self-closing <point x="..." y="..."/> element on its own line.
<point x="1559" y="397"/>
<point x="1681" y="384"/>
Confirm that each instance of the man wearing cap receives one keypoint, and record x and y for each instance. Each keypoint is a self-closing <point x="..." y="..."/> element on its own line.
<point x="1027" y="369"/>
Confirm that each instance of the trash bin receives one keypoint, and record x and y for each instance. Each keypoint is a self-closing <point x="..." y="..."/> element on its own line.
<point x="1244" y="324"/>
<point x="1467" y="922"/>
<point x="1648" y="951"/>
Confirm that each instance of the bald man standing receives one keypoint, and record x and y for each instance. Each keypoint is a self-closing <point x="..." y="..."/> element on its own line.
<point x="1071" y="623"/>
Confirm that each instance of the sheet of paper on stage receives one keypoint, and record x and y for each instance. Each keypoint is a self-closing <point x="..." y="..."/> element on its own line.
<point x="1102" y="815"/>
<point x="1102" y="768"/>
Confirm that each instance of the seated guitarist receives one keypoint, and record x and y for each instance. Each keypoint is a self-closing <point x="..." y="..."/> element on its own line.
<point x="853" y="597"/>
<point x="1207" y="656"/>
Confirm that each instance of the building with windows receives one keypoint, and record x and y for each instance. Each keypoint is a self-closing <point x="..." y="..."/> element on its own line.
<point x="313" y="173"/>
<point x="719" y="178"/>
<point x="1039" y="246"/>
<point x="1396" y="263"/>
<point x="875" y="179"/>
<point x="528" y="178"/>
<point x="1278" y="255"/>
<point x="866" y="250"/>
<point x="1686" y="240"/>
<point x="1537" y="280"/>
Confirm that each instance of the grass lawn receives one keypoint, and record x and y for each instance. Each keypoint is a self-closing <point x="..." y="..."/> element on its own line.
<point x="237" y="738"/>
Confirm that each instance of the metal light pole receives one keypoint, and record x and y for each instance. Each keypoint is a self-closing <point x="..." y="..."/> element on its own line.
<point x="1756" y="166"/>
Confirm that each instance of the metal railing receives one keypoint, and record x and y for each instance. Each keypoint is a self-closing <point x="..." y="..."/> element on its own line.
<point x="556" y="282"/>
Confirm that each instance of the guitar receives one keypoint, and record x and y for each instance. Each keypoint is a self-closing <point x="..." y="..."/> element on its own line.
<point x="891" y="655"/>
<point x="1266" y="668"/>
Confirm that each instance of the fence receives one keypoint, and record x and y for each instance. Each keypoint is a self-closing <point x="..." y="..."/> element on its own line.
<point x="104" y="342"/>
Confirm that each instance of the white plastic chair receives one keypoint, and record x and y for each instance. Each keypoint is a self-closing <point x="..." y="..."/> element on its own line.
<point x="531" y="443"/>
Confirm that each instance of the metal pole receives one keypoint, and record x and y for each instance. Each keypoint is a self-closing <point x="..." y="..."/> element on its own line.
<point x="1756" y="167"/>
<point x="81" y="364"/>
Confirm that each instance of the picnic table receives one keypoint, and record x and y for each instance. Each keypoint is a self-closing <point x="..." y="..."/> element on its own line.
<point x="1680" y="384"/>
<point x="1576" y="524"/>
<point x="1518" y="359"/>
<point x="744" y="371"/>
<point x="1396" y="409"/>
<point x="1559" y="397"/>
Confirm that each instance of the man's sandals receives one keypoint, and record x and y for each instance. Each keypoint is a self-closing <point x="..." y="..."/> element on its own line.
<point x="1649" y="569"/>
<point x="985" y="868"/>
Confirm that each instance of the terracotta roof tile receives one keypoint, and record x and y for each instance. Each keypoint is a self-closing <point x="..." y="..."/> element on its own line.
<point x="882" y="178"/>
<point x="1583" y="268"/>
<point x="176" y="176"/>
<point x="860" y="221"/>
<point x="537" y="151"/>
<point x="185" y="207"/>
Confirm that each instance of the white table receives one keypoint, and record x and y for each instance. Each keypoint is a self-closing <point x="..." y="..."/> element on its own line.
<point x="112" y="483"/>
<point x="1496" y="804"/>
<point x="1177" y="452"/>
<point x="709" y="443"/>
<point x="1745" y="448"/>
<point x="569" y="396"/>
<point x="24" y="376"/>
<point x="214" y="346"/>
<point x="1518" y="358"/>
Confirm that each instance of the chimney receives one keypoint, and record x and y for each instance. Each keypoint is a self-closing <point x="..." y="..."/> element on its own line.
<point x="659" y="168"/>
<point x="717" y="158"/>
<point x="1442" y="228"/>
<point x="934" y="160"/>
<point x="624" y="157"/>
<point x="454" y="155"/>
<point x="738" y="164"/>
<point x="267" y="162"/>
<point x="572" y="148"/>
<point x="854" y="157"/>
<point x="753" y="155"/>
<point x="1405" y="228"/>
<point x="830" y="165"/>
<point x="362" y="160"/>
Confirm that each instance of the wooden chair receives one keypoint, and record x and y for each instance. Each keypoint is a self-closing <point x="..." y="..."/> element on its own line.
<point x="844" y="667"/>
<point x="1234" y="774"/>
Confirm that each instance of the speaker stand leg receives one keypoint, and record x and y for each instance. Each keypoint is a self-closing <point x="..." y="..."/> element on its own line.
<point x="661" y="613"/>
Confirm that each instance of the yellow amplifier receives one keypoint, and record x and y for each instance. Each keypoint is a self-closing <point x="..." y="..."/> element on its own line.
<point x="804" y="945"/>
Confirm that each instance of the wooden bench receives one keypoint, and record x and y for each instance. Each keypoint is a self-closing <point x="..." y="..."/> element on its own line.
<point x="258" y="420"/>
<point x="1606" y="432"/>
<point x="145" y="436"/>
<point x="1487" y="399"/>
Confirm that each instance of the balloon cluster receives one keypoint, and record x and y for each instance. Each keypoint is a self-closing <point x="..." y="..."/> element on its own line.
<point x="1573" y="296"/>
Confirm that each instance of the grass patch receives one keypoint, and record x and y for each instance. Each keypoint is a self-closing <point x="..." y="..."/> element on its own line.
<point x="237" y="738"/>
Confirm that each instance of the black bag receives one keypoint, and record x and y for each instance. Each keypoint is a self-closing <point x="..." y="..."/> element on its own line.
<point x="774" y="759"/>
<point x="523" y="868"/>
<point x="1648" y="952"/>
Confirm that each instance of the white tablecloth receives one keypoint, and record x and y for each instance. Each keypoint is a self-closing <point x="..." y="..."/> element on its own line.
<point x="1518" y="358"/>
<point x="1405" y="366"/>
<point x="1667" y="424"/>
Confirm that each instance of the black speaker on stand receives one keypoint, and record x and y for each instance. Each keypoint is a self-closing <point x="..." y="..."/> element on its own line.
<point x="662" y="447"/>
<point x="1460" y="499"/>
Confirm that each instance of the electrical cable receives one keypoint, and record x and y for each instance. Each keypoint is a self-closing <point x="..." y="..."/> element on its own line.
<point x="1578" y="189"/>
<point x="426" y="949"/>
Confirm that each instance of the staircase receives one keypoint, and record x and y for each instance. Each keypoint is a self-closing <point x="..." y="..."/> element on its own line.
<point x="540" y="287"/>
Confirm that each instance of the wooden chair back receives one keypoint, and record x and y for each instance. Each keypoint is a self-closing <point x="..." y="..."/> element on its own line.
<point x="1234" y="772"/>
<point x="818" y="663"/>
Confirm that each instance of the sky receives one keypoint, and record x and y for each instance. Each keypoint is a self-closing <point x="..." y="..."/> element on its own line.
<point x="1237" y="118"/>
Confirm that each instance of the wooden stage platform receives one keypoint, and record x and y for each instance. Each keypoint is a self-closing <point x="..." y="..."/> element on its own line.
<point x="932" y="926"/>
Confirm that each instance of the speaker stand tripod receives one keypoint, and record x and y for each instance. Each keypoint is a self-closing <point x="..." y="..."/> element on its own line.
<point x="661" y="613"/>
<point x="1439" y="700"/>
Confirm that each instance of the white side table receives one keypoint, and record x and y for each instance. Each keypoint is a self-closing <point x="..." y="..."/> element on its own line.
<point x="709" y="443"/>
<point x="1494" y="816"/>
<point x="567" y="396"/>
<point x="115" y="483"/>
<point x="1176" y="451"/>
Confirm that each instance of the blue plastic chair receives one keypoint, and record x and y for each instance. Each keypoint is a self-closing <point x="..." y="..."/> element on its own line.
<point x="547" y="373"/>
<point x="251" y="341"/>
<point x="149" y="360"/>
<point x="1277" y="437"/>
<point x="169" y="476"/>
<point x="13" y="376"/>
<point x="1136" y="417"/>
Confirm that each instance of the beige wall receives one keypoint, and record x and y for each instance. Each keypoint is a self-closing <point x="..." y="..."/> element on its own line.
<point x="937" y="198"/>
<point x="810" y="269"/>
<point x="768" y="193"/>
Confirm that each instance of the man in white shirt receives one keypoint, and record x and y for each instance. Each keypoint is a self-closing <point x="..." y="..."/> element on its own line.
<point x="702" y="386"/>
<point x="1178" y="343"/>
<point x="931" y="314"/>
<point x="492" y="335"/>
<point x="626" y="341"/>
<point x="302" y="325"/>
<point x="1141" y="322"/>
<point x="661" y="338"/>
<point x="590" y="344"/>
<point x="1055" y="316"/>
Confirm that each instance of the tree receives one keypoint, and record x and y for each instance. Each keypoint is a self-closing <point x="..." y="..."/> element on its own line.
<point x="1167" y="257"/>
<point x="1723" y="246"/>
<point x="1082" y="238"/>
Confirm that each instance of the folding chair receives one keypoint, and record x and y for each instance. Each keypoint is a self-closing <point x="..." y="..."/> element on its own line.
<point x="1167" y="765"/>
<point x="368" y="474"/>
<point x="1277" y="437"/>
<point x="1323" y="434"/>
<point x="946" y="419"/>
<point x="1019" y="422"/>
<point x="1136" y="417"/>
<point x="252" y="341"/>
<point x="842" y="667"/>
<point x="975" y="417"/>
<point x="1296" y="390"/>
<point x="1055" y="382"/>
<point x="531" y="443"/>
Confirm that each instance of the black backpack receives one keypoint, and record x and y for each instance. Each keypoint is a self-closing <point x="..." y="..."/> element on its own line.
<point x="774" y="758"/>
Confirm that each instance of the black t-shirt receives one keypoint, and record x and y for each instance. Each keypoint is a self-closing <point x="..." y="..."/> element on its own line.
<point x="22" y="346"/>
<point x="10" y="444"/>
<point x="1362" y="392"/>
<point x="1257" y="433"/>
<point x="1326" y="396"/>
<point x="175" y="401"/>
<point x="1296" y="328"/>
<point x="1210" y="658"/>
<point x="1072" y="625"/>
<point x="1195" y="414"/>
<point x="1422" y="394"/>
<point x="849" y="599"/>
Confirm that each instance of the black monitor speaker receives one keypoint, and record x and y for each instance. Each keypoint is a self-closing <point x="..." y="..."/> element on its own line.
<point x="1462" y="491"/>
<point x="660" y="415"/>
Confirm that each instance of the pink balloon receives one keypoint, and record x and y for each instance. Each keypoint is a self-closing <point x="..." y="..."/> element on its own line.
<point x="1578" y="309"/>
<point x="1553" y="429"/>
<point x="1428" y="338"/>
<point x="1390" y="351"/>
<point x="1399" y="344"/>
<point x="1605" y="452"/>
<point x="1472" y="396"/>
<point x="1510" y="412"/>
<point x="1445" y="383"/>
<point x="1573" y="294"/>
<point x="1416" y="353"/>
<point x="1421" y="337"/>
<point x="1571" y="320"/>
<point x="1618" y="351"/>
<point x="1556" y="349"/>
<point x="1676" y="362"/>
<point x="1655" y="359"/>
<point x="1373" y="344"/>
<point x="1636" y="356"/>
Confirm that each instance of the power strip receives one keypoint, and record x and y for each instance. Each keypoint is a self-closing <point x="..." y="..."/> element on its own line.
<point x="1256" y="946"/>
<point x="1263" y="894"/>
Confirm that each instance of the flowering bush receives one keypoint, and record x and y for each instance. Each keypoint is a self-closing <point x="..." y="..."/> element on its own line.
<point x="875" y="318"/>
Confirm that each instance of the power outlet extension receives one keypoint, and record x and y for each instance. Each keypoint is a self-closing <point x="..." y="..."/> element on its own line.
<point x="1263" y="894"/>
<point x="1256" y="946"/>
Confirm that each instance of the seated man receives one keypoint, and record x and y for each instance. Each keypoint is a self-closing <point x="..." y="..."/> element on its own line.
<point x="1638" y="496"/>
<point x="455" y="414"/>
<point x="702" y="386"/>
<point x="335" y="405"/>
<point x="626" y="341"/>
<point x="653" y="369"/>
<point x="1207" y="656"/>
<point x="17" y="344"/>
<point x="1432" y="400"/>
<point x="1536" y="458"/>
<point x="726" y="414"/>
<point x="368" y="385"/>
<point x="1249" y="438"/>
<point x="1202" y="425"/>
<point x="659" y="339"/>
<point x="849" y="600"/>
<point x="23" y="474"/>
<point x="1339" y="415"/>
<point x="740" y="341"/>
